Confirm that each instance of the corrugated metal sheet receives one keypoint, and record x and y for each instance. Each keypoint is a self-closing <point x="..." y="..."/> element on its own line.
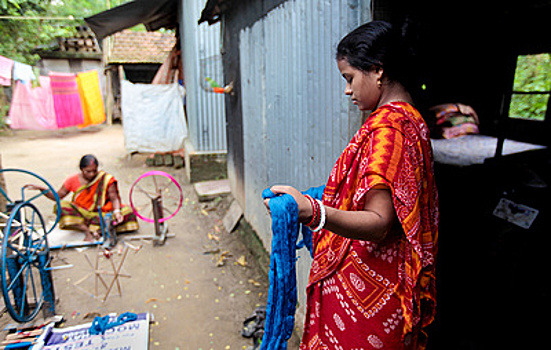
<point x="296" y="118"/>
<point x="202" y="58"/>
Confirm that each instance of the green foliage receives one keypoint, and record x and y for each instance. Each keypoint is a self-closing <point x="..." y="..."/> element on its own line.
<point x="533" y="74"/>
<point x="21" y="36"/>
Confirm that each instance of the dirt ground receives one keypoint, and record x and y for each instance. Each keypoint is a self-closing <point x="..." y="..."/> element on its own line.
<point x="195" y="303"/>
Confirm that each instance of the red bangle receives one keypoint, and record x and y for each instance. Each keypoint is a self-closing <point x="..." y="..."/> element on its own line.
<point x="315" y="210"/>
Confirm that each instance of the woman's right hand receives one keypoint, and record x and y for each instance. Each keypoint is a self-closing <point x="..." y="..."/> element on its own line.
<point x="47" y="192"/>
<point x="305" y="210"/>
<point x="35" y="187"/>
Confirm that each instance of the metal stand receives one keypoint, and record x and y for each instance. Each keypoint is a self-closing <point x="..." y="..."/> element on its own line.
<point x="160" y="228"/>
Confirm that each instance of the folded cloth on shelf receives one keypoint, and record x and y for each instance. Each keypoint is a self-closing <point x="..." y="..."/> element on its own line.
<point x="90" y="97"/>
<point x="33" y="108"/>
<point x="68" y="108"/>
<point x="6" y="66"/>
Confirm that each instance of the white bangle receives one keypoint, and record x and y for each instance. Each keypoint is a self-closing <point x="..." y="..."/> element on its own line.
<point x="323" y="215"/>
<point x="116" y="211"/>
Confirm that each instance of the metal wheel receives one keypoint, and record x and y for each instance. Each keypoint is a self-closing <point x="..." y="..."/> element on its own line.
<point x="156" y="187"/>
<point x="26" y="277"/>
<point x="18" y="178"/>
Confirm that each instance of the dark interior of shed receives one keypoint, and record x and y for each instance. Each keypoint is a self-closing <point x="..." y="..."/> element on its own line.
<point x="467" y="51"/>
<point x="493" y="293"/>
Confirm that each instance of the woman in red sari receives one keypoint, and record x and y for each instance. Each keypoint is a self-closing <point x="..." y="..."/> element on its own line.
<point x="372" y="282"/>
<point x="92" y="188"/>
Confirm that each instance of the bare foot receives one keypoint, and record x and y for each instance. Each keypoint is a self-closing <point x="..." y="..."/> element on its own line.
<point x="97" y="235"/>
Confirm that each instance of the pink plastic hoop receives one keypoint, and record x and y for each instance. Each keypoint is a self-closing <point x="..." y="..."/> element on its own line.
<point x="160" y="173"/>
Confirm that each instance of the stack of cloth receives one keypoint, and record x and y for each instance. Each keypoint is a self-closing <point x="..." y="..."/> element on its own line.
<point x="453" y="120"/>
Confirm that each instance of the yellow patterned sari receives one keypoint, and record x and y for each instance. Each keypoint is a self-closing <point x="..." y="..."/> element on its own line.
<point x="83" y="208"/>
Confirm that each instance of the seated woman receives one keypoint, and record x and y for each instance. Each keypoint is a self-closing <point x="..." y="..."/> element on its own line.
<point x="91" y="189"/>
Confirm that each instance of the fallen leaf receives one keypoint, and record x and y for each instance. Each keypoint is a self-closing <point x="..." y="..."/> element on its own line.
<point x="222" y="259"/>
<point x="91" y="315"/>
<point x="211" y="251"/>
<point x="204" y="212"/>
<point x="241" y="261"/>
<point x="213" y="237"/>
<point x="255" y="283"/>
<point x="150" y="300"/>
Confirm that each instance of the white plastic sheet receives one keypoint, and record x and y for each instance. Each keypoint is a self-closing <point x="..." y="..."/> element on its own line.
<point x="153" y="117"/>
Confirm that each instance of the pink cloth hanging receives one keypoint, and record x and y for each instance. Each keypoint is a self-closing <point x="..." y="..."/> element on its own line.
<point x="6" y="66"/>
<point x="33" y="108"/>
<point x="67" y="105"/>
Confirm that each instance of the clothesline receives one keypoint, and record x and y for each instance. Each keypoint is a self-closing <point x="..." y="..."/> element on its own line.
<point x="16" y="71"/>
<point x="60" y="100"/>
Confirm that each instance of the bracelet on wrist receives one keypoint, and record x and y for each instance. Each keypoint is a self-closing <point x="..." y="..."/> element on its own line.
<point x="323" y="217"/>
<point x="315" y="211"/>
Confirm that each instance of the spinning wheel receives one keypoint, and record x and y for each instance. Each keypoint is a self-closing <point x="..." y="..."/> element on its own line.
<point x="22" y="177"/>
<point x="25" y="265"/>
<point x="156" y="197"/>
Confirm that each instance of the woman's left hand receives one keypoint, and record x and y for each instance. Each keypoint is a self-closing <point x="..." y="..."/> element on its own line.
<point x="118" y="218"/>
<point x="305" y="210"/>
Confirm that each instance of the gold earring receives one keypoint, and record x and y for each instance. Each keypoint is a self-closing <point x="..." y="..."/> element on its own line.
<point x="379" y="83"/>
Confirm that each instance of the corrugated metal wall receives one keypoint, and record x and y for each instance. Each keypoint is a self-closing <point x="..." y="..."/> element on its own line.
<point x="202" y="58"/>
<point x="296" y="118"/>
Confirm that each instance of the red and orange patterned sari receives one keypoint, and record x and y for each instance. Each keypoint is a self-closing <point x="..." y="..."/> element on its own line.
<point x="364" y="295"/>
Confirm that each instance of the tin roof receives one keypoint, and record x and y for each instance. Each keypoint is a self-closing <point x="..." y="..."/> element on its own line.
<point x="140" y="47"/>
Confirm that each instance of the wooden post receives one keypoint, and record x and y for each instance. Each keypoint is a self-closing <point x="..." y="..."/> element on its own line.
<point x="109" y="99"/>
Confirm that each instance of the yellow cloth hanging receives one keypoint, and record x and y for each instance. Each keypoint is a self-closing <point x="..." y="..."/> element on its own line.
<point x="91" y="99"/>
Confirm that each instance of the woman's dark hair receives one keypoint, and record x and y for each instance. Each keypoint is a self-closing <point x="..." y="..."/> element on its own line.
<point x="378" y="44"/>
<point x="87" y="160"/>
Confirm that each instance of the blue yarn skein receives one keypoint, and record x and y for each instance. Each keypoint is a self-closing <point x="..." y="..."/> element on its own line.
<point x="101" y="324"/>
<point x="282" y="293"/>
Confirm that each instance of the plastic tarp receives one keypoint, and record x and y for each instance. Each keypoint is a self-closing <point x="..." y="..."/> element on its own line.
<point x="153" y="14"/>
<point x="153" y="117"/>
